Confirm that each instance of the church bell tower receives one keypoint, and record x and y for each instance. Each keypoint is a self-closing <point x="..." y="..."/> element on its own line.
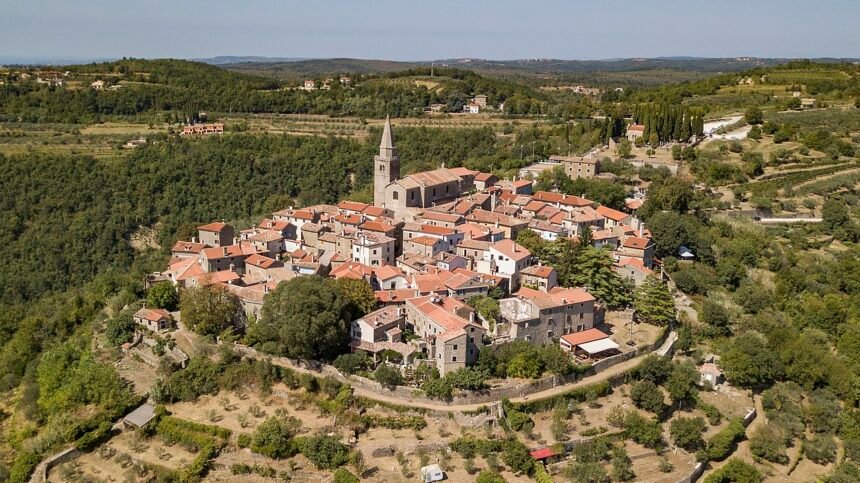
<point x="386" y="165"/>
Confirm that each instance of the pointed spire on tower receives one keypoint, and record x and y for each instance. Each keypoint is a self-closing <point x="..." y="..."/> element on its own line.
<point x="386" y="146"/>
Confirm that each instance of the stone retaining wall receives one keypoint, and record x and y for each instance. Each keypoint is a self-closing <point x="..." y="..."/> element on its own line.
<point x="41" y="472"/>
<point x="663" y="345"/>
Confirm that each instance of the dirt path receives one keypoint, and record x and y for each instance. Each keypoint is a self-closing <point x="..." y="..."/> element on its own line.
<point x="442" y="406"/>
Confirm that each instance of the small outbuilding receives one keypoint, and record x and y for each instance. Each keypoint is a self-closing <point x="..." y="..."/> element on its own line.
<point x="588" y="342"/>
<point x="140" y="417"/>
<point x="432" y="473"/>
<point x="544" y="455"/>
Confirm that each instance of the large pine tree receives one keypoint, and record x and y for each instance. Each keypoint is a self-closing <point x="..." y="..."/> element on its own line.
<point x="653" y="302"/>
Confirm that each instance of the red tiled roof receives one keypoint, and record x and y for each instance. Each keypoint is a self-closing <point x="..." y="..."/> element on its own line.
<point x="425" y="240"/>
<point x="634" y="204"/>
<point x="153" y="315"/>
<point x="607" y="212"/>
<point x="439" y="216"/>
<point x="398" y="295"/>
<point x="374" y="211"/>
<point x="377" y="226"/>
<point x="437" y="230"/>
<point x="260" y="261"/>
<point x="188" y="247"/>
<point x="636" y="127"/>
<point x="243" y="248"/>
<point x="216" y="226"/>
<point x="352" y="206"/>
<point x="352" y="270"/>
<point x="636" y="242"/>
<point x="461" y="171"/>
<point x="511" y="249"/>
<point x="583" y="337"/>
<point x="542" y="454"/>
<point x="542" y="271"/>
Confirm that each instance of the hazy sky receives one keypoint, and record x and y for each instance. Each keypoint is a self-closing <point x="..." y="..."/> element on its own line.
<point x="429" y="29"/>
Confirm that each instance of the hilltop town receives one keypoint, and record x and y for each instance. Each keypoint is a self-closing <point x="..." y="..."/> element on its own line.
<point x="521" y="275"/>
<point x="430" y="242"/>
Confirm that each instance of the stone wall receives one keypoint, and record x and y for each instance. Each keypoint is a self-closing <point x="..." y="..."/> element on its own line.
<point x="42" y="469"/>
<point x="663" y="345"/>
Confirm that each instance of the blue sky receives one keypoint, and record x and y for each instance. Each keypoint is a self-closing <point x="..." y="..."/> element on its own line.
<point x="412" y="30"/>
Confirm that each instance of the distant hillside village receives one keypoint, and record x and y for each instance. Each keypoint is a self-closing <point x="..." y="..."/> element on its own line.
<point x="429" y="242"/>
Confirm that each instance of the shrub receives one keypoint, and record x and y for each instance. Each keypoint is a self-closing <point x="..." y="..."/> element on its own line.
<point x="324" y="452"/>
<point x="341" y="475"/>
<point x="95" y="437"/>
<point x="517" y="457"/>
<point x="643" y="431"/>
<point x="519" y="421"/>
<point x="388" y="375"/>
<point x="163" y="296"/>
<point x="820" y="449"/>
<point x="768" y="443"/>
<point x="353" y="363"/>
<point x="273" y="437"/>
<point x="687" y="433"/>
<point x="439" y="388"/>
<point x="646" y="395"/>
<point x="735" y="471"/>
<point x="468" y="378"/>
<point x="489" y="476"/>
<point x="722" y="444"/>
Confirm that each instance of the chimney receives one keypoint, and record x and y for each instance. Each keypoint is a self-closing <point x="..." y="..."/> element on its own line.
<point x="224" y="251"/>
<point x="265" y="288"/>
<point x="232" y="267"/>
<point x="193" y="239"/>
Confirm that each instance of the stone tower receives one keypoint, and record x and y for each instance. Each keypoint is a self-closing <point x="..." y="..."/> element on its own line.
<point x="386" y="165"/>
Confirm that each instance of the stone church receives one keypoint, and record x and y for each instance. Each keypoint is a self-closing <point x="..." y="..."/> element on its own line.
<point x="412" y="193"/>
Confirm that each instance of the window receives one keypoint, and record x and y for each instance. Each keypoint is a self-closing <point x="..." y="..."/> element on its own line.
<point x="395" y="195"/>
<point x="374" y="251"/>
<point x="455" y="346"/>
<point x="471" y="339"/>
<point x="454" y="359"/>
<point x="412" y="195"/>
<point x="382" y="167"/>
<point x="471" y="351"/>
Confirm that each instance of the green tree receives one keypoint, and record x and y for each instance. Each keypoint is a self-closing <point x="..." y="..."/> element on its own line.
<point x="588" y="472"/>
<point x="516" y="455"/>
<point x="821" y="448"/>
<point x="735" y="471"/>
<point x="687" y="433"/>
<point x="489" y="476"/>
<point x="716" y="316"/>
<point x="646" y="395"/>
<point x="324" y="451"/>
<point x="305" y="318"/>
<point x="209" y="309"/>
<point x="768" y="442"/>
<point x="623" y="149"/>
<point x="120" y="329"/>
<point x="622" y="465"/>
<point x="163" y="296"/>
<point x="594" y="270"/>
<point x="388" y="375"/>
<point x="274" y="436"/>
<point x="681" y="384"/>
<point x="358" y="295"/>
<point x="653" y="302"/>
<point x="748" y="361"/>
<point x="753" y="115"/>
